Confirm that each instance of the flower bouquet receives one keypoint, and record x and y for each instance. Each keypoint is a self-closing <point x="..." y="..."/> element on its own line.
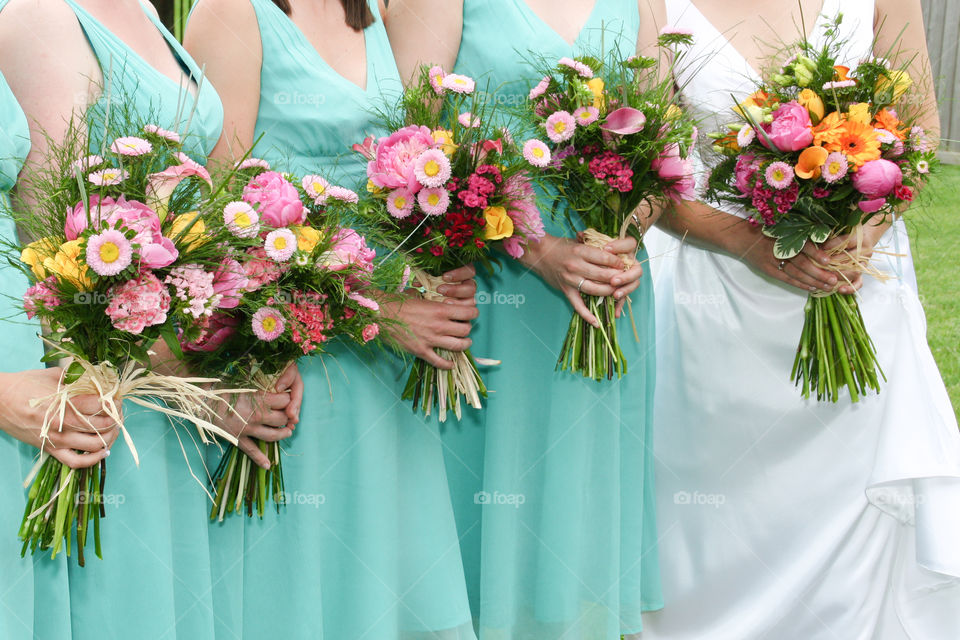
<point x="118" y="235"/>
<point x="446" y="187"/>
<point x="818" y="151"/>
<point x="301" y="279"/>
<point x="616" y="143"/>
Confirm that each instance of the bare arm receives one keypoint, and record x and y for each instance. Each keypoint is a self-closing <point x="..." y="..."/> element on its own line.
<point x="424" y="31"/>
<point x="224" y="36"/>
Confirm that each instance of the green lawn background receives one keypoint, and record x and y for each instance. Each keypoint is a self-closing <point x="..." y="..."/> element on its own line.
<point x="934" y="228"/>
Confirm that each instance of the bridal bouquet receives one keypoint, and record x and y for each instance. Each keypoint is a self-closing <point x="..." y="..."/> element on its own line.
<point x="818" y="151"/>
<point x="301" y="279"/>
<point x="616" y="142"/>
<point x="122" y="253"/>
<point x="446" y="187"/>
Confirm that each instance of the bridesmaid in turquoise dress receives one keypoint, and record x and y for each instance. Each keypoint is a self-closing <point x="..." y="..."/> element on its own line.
<point x="154" y="580"/>
<point x="366" y="547"/>
<point x="562" y="540"/>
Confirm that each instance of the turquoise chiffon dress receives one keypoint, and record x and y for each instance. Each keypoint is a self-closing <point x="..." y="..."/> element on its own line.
<point x="154" y="580"/>
<point x="553" y="482"/>
<point x="22" y="351"/>
<point x="366" y="547"/>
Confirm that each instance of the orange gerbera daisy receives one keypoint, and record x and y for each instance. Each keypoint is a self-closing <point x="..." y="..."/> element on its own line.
<point x="886" y="120"/>
<point x="828" y="131"/>
<point x="859" y="142"/>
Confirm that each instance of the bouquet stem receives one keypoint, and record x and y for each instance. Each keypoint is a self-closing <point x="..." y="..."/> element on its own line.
<point x="835" y="350"/>
<point x="593" y="352"/>
<point x="428" y="386"/>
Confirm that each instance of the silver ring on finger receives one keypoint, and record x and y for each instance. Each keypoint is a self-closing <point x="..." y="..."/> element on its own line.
<point x="781" y="265"/>
<point x="579" y="286"/>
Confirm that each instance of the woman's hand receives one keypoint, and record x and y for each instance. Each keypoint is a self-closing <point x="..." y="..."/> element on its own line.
<point x="574" y="268"/>
<point x="426" y="325"/>
<point x="871" y="235"/>
<point x="267" y="416"/>
<point x="87" y="432"/>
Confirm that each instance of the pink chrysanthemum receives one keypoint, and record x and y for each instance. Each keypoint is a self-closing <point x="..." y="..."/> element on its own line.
<point x="400" y="203"/>
<point x="316" y="188"/>
<point x="138" y="303"/>
<point x="885" y="136"/>
<point x="109" y="253"/>
<point x="342" y="194"/>
<point x="253" y="163"/>
<point x="458" y="83"/>
<point x="434" y="202"/>
<point x="437" y="74"/>
<point x="87" y="162"/>
<point x="576" y="65"/>
<point x="172" y="136"/>
<point x="923" y="166"/>
<point x="41" y="296"/>
<point x="675" y="31"/>
<point x="268" y="324"/>
<point x="540" y="89"/>
<point x="468" y="120"/>
<point x="195" y="286"/>
<point x="280" y="244"/>
<point x="432" y="168"/>
<point x="241" y="219"/>
<point x="131" y="146"/>
<point x="108" y="177"/>
<point x="586" y="115"/>
<point x="839" y="84"/>
<point x="536" y="152"/>
<point x="560" y="126"/>
<point x="779" y="175"/>
<point x="835" y="167"/>
<point x="746" y="136"/>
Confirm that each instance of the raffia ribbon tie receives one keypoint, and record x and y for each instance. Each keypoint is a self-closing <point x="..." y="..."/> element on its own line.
<point x="844" y="260"/>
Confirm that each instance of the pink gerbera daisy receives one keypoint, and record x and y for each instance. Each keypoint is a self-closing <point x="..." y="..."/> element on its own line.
<point x="458" y="83"/>
<point x="437" y="74"/>
<point x="560" y="126"/>
<point x="434" y="202"/>
<point x="109" y="253"/>
<point x="432" y="168"/>
<point x="540" y="89"/>
<point x="280" y="244"/>
<point x="268" y="324"/>
<point x="536" y="152"/>
<point x="779" y="175"/>
<point x="241" y="219"/>
<point x="342" y="194"/>
<point x="131" y="146"/>
<point x="834" y="167"/>
<point x="400" y="203"/>
<point x="172" y="136"/>
<point x="586" y="115"/>
<point x="108" y="177"/>
<point x="576" y="65"/>
<point x="316" y="188"/>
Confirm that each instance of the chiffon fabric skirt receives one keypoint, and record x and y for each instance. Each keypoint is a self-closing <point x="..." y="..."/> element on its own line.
<point x="553" y="481"/>
<point x="366" y="547"/>
<point x="785" y="518"/>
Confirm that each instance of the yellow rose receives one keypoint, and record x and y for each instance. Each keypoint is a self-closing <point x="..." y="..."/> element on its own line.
<point x="860" y="113"/>
<point x="307" y="238"/>
<point x="445" y="138"/>
<point x="372" y="188"/>
<point x="898" y="80"/>
<point x="35" y="253"/>
<point x="813" y="104"/>
<point x="66" y="265"/>
<point x="196" y="237"/>
<point x="596" y="86"/>
<point x="499" y="224"/>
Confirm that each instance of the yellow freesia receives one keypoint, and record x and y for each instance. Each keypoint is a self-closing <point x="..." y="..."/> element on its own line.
<point x="812" y="102"/>
<point x="196" y="237"/>
<point x="307" y="238"/>
<point x="860" y="113"/>
<point x="65" y="264"/>
<point x="499" y="224"/>
<point x="596" y="86"/>
<point x="35" y="253"/>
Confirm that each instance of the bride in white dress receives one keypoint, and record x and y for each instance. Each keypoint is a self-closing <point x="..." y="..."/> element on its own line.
<point x="782" y="518"/>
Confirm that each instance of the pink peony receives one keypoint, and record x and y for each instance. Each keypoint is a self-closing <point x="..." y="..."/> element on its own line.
<point x="139" y="303"/>
<point x="217" y="329"/>
<point x="872" y="206"/>
<point x="745" y="172"/>
<point x="349" y="249"/>
<point x="275" y="199"/>
<point x="791" y="129"/>
<point x="878" y="178"/>
<point x="396" y="157"/>
<point x="671" y="167"/>
<point x="229" y="282"/>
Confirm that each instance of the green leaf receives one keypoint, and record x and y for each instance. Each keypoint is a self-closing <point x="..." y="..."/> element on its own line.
<point x="820" y="234"/>
<point x="169" y="335"/>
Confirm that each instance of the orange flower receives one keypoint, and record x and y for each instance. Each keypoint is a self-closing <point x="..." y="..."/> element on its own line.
<point x="859" y="142"/>
<point x="841" y="73"/>
<point x="886" y="120"/>
<point x="810" y="161"/>
<point x="829" y="130"/>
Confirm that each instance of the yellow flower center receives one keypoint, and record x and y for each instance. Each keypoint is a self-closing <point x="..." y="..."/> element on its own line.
<point x="537" y="152"/>
<point x="109" y="252"/>
<point x="242" y="220"/>
<point x="111" y="175"/>
<point x="834" y="167"/>
<point x="778" y="175"/>
<point x="560" y="126"/>
<point x="269" y="324"/>
<point x="460" y="81"/>
<point x="438" y="78"/>
<point x="433" y="199"/>
<point x="279" y="243"/>
<point x="319" y="188"/>
<point x="431" y="168"/>
<point x="400" y="202"/>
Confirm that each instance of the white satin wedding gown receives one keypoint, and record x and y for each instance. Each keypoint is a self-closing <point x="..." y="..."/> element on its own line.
<point x="781" y="518"/>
